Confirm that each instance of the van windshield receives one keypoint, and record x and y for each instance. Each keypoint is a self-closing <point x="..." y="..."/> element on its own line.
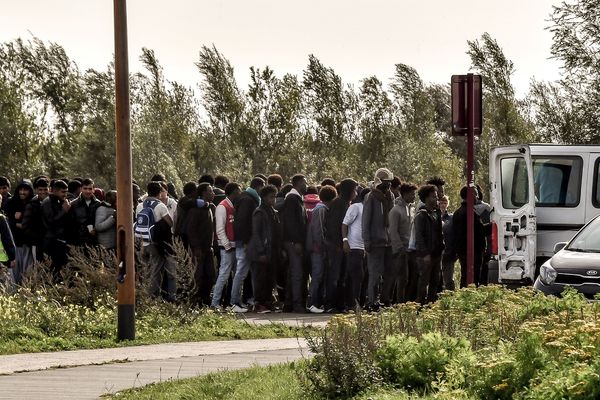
<point x="515" y="182"/>
<point x="588" y="239"/>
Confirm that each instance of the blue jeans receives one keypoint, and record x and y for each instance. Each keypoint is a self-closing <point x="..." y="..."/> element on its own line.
<point x="315" y="289"/>
<point x="241" y="272"/>
<point x="227" y="263"/>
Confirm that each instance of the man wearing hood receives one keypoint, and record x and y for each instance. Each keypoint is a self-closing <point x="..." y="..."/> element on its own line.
<point x="375" y="223"/>
<point x="294" y="220"/>
<point x="83" y="211"/>
<point x="33" y="223"/>
<point x="15" y="212"/>
<point x="334" y="295"/>
<point x="245" y="205"/>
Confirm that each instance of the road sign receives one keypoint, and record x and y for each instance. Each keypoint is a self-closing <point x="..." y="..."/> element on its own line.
<point x="460" y="109"/>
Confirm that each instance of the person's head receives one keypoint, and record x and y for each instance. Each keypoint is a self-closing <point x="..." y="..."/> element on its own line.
<point x="159" y="178"/>
<point x="383" y="179"/>
<point x="327" y="194"/>
<point x="221" y="181"/>
<point x="59" y="189"/>
<point x="257" y="183"/>
<point x="172" y="191"/>
<point x="206" y="192"/>
<point x="87" y="188"/>
<point x="328" y="182"/>
<point x="25" y="191"/>
<point x="444" y="203"/>
<point x="268" y="195"/>
<point x="111" y="197"/>
<point x="347" y="189"/>
<point x="363" y="193"/>
<point x="74" y="187"/>
<point x="232" y="191"/>
<point x="154" y="189"/>
<point x="4" y="186"/>
<point x="285" y="190"/>
<point x="408" y="191"/>
<point x="190" y="189"/>
<point x="428" y="195"/>
<point x="463" y="193"/>
<point x="261" y="176"/>
<point x="135" y="193"/>
<point x="41" y="186"/>
<point x="207" y="178"/>
<point x="164" y="193"/>
<point x="99" y="193"/>
<point x="395" y="185"/>
<point x="479" y="192"/>
<point x="299" y="183"/>
<point x="275" y="180"/>
<point x="439" y="185"/>
<point x="312" y="190"/>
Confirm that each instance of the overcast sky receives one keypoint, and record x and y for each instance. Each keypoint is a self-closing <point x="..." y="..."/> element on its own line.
<point x="358" y="38"/>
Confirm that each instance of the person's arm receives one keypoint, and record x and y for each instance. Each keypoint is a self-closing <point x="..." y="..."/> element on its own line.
<point x="220" y="223"/>
<point x="366" y="222"/>
<point x="7" y="241"/>
<point x="420" y="240"/>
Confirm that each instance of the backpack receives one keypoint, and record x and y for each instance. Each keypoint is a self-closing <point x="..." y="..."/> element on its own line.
<point x="144" y="221"/>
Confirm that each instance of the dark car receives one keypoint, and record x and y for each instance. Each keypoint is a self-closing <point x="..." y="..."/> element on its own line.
<point x="575" y="264"/>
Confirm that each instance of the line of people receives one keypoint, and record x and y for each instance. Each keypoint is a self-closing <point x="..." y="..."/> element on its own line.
<point x="270" y="246"/>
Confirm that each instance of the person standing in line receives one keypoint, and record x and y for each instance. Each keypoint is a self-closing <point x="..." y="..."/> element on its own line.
<point x="7" y="250"/>
<point x="33" y="224"/>
<point x="375" y="224"/>
<point x="4" y="191"/>
<point x="483" y="210"/>
<point x="106" y="221"/>
<point x="245" y="205"/>
<point x="221" y="182"/>
<point x="315" y="245"/>
<point x="335" y="272"/>
<point x="294" y="220"/>
<point x="396" y="276"/>
<point x="15" y="213"/>
<point x="83" y="215"/>
<point x="429" y="244"/>
<point x="224" y="221"/>
<point x="449" y="255"/>
<point x="354" y="248"/>
<point x="55" y="214"/>
<point x="264" y="242"/>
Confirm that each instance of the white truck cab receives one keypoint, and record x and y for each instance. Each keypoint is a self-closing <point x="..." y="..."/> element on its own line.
<point x="541" y="194"/>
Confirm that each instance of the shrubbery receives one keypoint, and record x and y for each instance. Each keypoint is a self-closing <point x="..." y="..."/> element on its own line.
<point x="486" y="343"/>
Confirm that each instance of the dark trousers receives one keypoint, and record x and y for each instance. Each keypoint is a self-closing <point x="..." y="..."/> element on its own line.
<point x="204" y="276"/>
<point x="479" y="276"/>
<point x="354" y="278"/>
<point x="57" y="250"/>
<point x="413" y="276"/>
<point x="297" y="279"/>
<point x="448" y="261"/>
<point x="263" y="282"/>
<point x="429" y="277"/>
<point x="395" y="279"/>
<point x="378" y="259"/>
<point x="334" y="278"/>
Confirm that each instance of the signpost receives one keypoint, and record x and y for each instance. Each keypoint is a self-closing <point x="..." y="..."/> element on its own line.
<point x="125" y="256"/>
<point x="467" y="119"/>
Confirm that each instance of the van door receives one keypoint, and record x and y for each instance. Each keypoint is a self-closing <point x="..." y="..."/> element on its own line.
<point x="513" y="213"/>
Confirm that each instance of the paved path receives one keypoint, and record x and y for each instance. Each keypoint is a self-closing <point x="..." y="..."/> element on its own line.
<point x="296" y="320"/>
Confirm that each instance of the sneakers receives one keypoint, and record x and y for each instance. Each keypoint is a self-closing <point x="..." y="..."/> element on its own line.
<point x="217" y="309"/>
<point x="238" y="309"/>
<point x="260" y="309"/>
<point x="315" y="310"/>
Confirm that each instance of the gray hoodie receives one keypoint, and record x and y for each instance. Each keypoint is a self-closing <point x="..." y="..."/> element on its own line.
<point x="105" y="226"/>
<point x="400" y="225"/>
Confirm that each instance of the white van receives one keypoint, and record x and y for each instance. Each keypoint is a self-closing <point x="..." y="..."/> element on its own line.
<point x="541" y="194"/>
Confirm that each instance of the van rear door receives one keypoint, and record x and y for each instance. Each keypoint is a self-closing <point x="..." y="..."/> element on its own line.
<point x="513" y="213"/>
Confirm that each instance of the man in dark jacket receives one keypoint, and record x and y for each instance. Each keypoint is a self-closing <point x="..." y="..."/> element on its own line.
<point x="15" y="212"/>
<point x="294" y="220"/>
<point x="4" y="191"/>
<point x="459" y="226"/>
<point x="334" y="296"/>
<point x="55" y="213"/>
<point x="7" y="249"/>
<point x="33" y="223"/>
<point x="83" y="214"/>
<point x="201" y="237"/>
<point x="375" y="223"/>
<point x="184" y="205"/>
<point x="263" y="244"/>
<point x="242" y="225"/>
<point x="219" y="188"/>
<point x="429" y="244"/>
<point x="449" y="255"/>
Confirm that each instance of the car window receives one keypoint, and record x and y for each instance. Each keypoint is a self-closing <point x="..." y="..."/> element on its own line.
<point x="557" y="181"/>
<point x="588" y="239"/>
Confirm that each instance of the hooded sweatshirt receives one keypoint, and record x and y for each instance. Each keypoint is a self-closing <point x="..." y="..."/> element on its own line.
<point x="375" y="221"/>
<point x="315" y="237"/>
<point x="294" y="218"/>
<point x="15" y="212"/>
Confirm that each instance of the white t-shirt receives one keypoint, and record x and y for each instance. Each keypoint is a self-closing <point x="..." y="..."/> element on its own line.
<point x="159" y="212"/>
<point x="353" y="219"/>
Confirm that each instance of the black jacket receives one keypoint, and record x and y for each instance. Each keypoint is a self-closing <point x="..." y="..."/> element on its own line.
<point x="200" y="230"/>
<point x="55" y="218"/>
<point x="7" y="239"/>
<point x="16" y="206"/>
<point x="428" y="233"/>
<point x="459" y="229"/>
<point x="33" y="223"/>
<point x="183" y="207"/>
<point x="83" y="215"/>
<point x="265" y="222"/>
<point x="294" y="219"/>
<point x="242" y="223"/>
<point x="333" y="221"/>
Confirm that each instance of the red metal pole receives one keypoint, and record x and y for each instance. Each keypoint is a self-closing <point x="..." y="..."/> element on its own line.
<point x="125" y="256"/>
<point x="470" y="179"/>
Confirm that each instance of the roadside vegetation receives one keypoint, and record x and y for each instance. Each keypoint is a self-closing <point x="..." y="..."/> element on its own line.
<point x="486" y="343"/>
<point x="80" y="312"/>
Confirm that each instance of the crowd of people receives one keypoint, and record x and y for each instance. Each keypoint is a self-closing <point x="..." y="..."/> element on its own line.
<point x="268" y="247"/>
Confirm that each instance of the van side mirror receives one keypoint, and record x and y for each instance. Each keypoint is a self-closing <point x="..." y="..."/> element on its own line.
<point x="559" y="246"/>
